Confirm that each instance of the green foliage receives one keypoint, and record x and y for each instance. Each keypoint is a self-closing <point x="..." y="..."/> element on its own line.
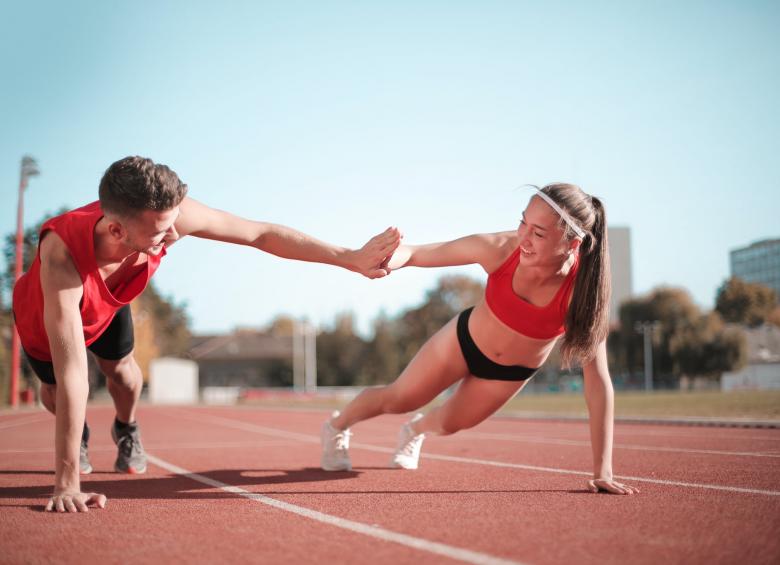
<point x="339" y="353"/>
<point x="382" y="361"/>
<point x="686" y="343"/>
<point x="674" y="309"/>
<point x="452" y="294"/>
<point x="170" y="320"/>
<point x="707" y="348"/>
<point x="5" y="354"/>
<point x="745" y="303"/>
<point x="344" y="358"/>
<point x="29" y="249"/>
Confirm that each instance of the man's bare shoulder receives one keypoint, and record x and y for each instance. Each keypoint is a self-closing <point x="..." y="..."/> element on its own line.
<point x="58" y="271"/>
<point x="192" y="215"/>
<point x="53" y="250"/>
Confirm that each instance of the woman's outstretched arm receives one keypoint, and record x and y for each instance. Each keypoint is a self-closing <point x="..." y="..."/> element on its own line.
<point x="485" y="249"/>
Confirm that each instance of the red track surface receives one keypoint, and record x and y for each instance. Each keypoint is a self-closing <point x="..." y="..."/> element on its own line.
<point x="502" y="491"/>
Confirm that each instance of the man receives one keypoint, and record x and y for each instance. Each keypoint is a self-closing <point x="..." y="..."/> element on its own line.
<point x="91" y="263"/>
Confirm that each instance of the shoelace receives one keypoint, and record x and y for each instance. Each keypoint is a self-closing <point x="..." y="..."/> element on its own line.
<point x="412" y="443"/>
<point x="341" y="440"/>
<point x="128" y="445"/>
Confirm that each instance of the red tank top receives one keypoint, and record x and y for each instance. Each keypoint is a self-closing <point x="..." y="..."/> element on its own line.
<point x="98" y="304"/>
<point x="539" y="322"/>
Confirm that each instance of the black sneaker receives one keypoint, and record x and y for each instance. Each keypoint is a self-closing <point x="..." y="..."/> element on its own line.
<point x="130" y="457"/>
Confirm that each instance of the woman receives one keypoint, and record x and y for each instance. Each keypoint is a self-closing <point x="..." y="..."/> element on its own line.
<point x="548" y="280"/>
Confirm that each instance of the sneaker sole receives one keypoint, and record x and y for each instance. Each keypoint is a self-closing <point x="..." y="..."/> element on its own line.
<point x="398" y="465"/>
<point x="332" y="468"/>
<point x="85" y="471"/>
<point x="130" y="471"/>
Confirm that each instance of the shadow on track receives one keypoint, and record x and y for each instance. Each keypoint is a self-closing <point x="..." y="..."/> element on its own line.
<point x="177" y="487"/>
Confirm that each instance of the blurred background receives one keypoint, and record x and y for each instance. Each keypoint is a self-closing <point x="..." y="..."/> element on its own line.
<point x="342" y="118"/>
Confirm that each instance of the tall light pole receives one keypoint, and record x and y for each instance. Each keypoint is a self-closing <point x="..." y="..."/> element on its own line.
<point x="299" y="354"/>
<point x="29" y="169"/>
<point x="647" y="329"/>
<point x="310" y="380"/>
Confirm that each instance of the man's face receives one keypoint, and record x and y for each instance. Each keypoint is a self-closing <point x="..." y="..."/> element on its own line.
<point x="149" y="231"/>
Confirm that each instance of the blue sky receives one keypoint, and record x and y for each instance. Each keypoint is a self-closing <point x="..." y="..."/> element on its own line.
<point x="342" y="118"/>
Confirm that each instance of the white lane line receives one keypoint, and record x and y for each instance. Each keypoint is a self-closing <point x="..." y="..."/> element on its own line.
<point x="621" y="428"/>
<point x="314" y="439"/>
<point x="632" y="429"/>
<point x="578" y="443"/>
<point x="357" y="527"/>
<point x="589" y="474"/>
<point x="23" y="421"/>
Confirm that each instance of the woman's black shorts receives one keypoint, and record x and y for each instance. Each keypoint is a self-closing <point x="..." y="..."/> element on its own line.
<point x="116" y="342"/>
<point x="479" y="365"/>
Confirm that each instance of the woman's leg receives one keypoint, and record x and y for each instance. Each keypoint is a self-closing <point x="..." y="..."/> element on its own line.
<point x="475" y="400"/>
<point x="437" y="365"/>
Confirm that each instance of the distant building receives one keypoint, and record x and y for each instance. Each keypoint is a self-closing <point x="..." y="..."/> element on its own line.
<point x="758" y="263"/>
<point x="243" y="358"/>
<point x="763" y="369"/>
<point x="620" y="256"/>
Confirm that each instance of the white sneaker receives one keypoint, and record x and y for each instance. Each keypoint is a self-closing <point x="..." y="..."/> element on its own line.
<point x="335" y="447"/>
<point x="407" y="454"/>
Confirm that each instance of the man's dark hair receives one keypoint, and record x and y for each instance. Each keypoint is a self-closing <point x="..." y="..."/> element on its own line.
<point x="134" y="184"/>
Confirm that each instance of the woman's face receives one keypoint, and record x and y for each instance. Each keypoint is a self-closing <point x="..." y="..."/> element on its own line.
<point x="542" y="241"/>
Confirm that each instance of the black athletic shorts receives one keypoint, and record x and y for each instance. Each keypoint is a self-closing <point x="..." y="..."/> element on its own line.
<point x="478" y="363"/>
<point x="116" y="342"/>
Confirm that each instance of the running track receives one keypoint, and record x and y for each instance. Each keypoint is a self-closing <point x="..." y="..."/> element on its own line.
<point x="243" y="485"/>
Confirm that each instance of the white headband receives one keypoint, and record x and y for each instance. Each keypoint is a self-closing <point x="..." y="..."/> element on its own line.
<point x="577" y="229"/>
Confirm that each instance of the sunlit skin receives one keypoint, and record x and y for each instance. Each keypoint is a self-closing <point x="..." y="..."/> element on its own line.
<point x="545" y="260"/>
<point x="122" y="245"/>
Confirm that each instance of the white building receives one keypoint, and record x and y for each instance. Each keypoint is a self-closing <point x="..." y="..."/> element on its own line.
<point x="620" y="255"/>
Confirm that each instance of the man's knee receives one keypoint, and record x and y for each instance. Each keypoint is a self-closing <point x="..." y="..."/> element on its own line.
<point x="49" y="397"/>
<point x="124" y="371"/>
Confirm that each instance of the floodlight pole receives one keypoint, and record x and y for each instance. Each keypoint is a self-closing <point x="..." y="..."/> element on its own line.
<point x="29" y="169"/>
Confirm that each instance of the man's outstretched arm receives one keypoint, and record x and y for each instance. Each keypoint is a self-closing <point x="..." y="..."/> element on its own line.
<point x="201" y="221"/>
<point x="62" y="292"/>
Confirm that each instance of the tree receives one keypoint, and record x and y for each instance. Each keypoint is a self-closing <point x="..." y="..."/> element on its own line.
<point x="339" y="353"/>
<point x="382" y="359"/>
<point x="452" y="294"/>
<point x="741" y="302"/>
<point x="674" y="308"/>
<point x="29" y="249"/>
<point x="5" y="354"/>
<point x="170" y="322"/>
<point x="282" y="326"/>
<point x="687" y="343"/>
<point x="343" y="358"/>
<point x="708" y="348"/>
<point x="774" y="317"/>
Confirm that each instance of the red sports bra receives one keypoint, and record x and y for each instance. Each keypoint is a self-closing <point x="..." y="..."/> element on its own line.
<point x="539" y="322"/>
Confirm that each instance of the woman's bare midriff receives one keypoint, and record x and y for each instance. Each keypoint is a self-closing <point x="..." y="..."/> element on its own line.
<point x="502" y="344"/>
